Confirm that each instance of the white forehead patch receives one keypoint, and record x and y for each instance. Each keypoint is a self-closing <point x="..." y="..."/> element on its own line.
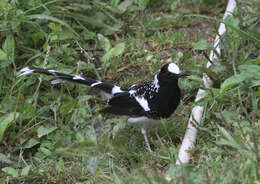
<point x="116" y="89"/>
<point x="173" y="68"/>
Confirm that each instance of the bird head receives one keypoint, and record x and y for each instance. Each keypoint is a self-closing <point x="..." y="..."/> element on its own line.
<point x="171" y="71"/>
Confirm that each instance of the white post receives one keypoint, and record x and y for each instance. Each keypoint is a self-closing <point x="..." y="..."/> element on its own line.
<point x="191" y="132"/>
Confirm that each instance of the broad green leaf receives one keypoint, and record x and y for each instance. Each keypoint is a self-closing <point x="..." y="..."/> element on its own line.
<point x="255" y="83"/>
<point x="92" y="165"/>
<point x="229" y="116"/>
<point x="250" y="70"/>
<point x="50" y="18"/>
<point x="55" y="27"/>
<point x="88" y="35"/>
<point x="28" y="111"/>
<point x="80" y="6"/>
<point x="91" y="135"/>
<point x="195" y="78"/>
<point x="229" y="138"/>
<point x="119" y="126"/>
<point x="44" y="130"/>
<point x="11" y="171"/>
<point x="257" y="93"/>
<point x="148" y="57"/>
<point x="3" y="55"/>
<point x="37" y="37"/>
<point x="231" y="82"/>
<point x="123" y="6"/>
<point x="32" y="142"/>
<point x="232" y="21"/>
<point x="26" y="170"/>
<point x="67" y="107"/>
<point x="105" y="43"/>
<point x="66" y="35"/>
<point x="5" y="121"/>
<point x="201" y="45"/>
<point x="234" y="142"/>
<point x="9" y="46"/>
<point x="106" y="58"/>
<point x="4" y="159"/>
<point x="6" y="63"/>
<point x="116" y="51"/>
<point x="80" y="137"/>
<point x="97" y="20"/>
<point x="115" y="2"/>
<point x="60" y="165"/>
<point x="253" y="61"/>
<point x="45" y="151"/>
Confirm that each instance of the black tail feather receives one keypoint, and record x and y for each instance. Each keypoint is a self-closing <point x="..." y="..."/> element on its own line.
<point x="104" y="86"/>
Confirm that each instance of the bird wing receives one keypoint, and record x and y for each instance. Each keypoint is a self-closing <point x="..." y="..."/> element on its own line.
<point x="124" y="104"/>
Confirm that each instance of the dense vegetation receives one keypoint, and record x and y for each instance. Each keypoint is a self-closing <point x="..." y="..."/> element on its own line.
<point x="55" y="133"/>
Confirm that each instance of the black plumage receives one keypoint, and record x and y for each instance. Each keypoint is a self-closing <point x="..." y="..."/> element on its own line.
<point x="145" y="103"/>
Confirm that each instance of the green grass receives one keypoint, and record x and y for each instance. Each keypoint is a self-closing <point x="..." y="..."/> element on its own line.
<point x="55" y="133"/>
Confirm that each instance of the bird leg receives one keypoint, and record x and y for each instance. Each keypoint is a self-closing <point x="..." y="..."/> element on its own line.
<point x="158" y="137"/>
<point x="146" y="139"/>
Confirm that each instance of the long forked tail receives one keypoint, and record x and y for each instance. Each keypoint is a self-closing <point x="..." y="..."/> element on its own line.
<point x="104" y="86"/>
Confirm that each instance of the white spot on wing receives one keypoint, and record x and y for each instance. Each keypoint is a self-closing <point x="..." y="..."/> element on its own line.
<point x="25" y="71"/>
<point x="143" y="102"/>
<point x="77" y="77"/>
<point x="156" y="82"/>
<point x="96" y="83"/>
<point x="173" y="68"/>
<point x="131" y="92"/>
<point x="116" y="89"/>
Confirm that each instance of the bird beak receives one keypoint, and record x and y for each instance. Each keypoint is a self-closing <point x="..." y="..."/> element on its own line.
<point x="183" y="75"/>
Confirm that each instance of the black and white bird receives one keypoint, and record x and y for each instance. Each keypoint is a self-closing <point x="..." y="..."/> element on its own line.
<point x="145" y="103"/>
